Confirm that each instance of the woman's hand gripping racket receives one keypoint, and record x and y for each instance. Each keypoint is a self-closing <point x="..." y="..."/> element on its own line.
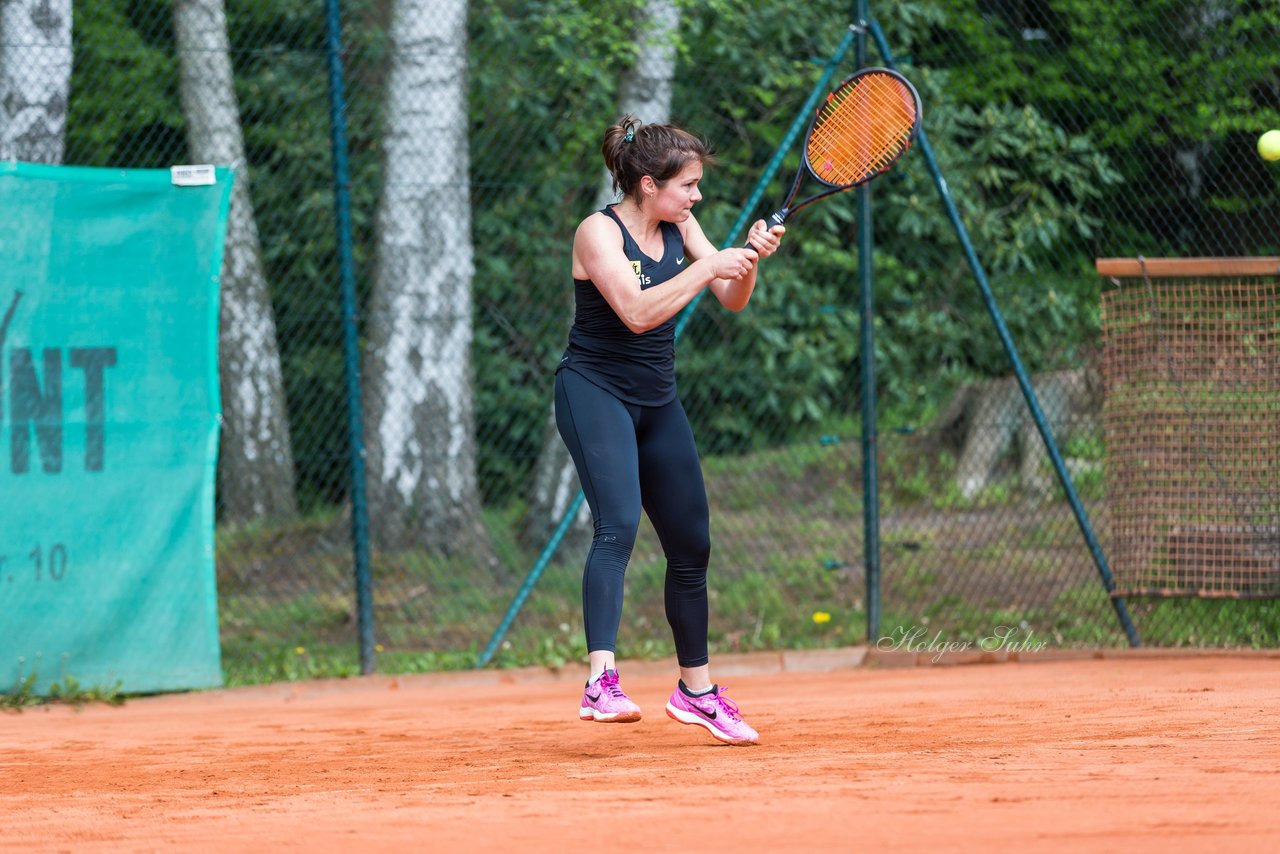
<point x="865" y="125"/>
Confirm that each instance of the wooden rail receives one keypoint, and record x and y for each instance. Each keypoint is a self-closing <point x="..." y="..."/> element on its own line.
<point x="1166" y="268"/>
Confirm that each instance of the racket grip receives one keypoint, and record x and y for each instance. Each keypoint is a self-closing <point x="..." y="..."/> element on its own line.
<point x="776" y="218"/>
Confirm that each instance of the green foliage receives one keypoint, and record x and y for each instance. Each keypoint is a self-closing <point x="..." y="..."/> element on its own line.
<point x="1058" y="126"/>
<point x="1159" y="86"/>
<point x="124" y="95"/>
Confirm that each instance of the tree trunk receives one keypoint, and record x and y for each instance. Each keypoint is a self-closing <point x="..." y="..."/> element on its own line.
<point x="255" y="471"/>
<point x="990" y="420"/>
<point x="423" y="487"/>
<point x="645" y="92"/>
<point x="35" y="79"/>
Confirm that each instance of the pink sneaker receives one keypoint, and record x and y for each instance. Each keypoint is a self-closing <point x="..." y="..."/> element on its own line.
<point x="605" y="701"/>
<point x="714" y="711"/>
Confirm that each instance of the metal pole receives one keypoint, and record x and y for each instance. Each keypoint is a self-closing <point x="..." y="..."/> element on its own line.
<point x="870" y="469"/>
<point x="1024" y="382"/>
<point x="350" y="337"/>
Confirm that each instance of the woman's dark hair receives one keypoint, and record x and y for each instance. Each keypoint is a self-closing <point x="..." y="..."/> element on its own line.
<point x="633" y="149"/>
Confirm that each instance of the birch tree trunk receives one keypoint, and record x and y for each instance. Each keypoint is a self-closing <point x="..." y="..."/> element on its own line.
<point x="35" y="79"/>
<point x="255" y="469"/>
<point x="644" y="92"/>
<point x="423" y="489"/>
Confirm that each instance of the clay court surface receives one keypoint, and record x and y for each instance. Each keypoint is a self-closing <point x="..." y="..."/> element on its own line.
<point x="1122" y="752"/>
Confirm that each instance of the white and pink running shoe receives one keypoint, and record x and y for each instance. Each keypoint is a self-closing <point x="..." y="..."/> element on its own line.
<point x="713" y="711"/>
<point x="606" y="702"/>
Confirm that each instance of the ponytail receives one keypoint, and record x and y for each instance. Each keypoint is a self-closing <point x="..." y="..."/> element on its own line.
<point x="632" y="149"/>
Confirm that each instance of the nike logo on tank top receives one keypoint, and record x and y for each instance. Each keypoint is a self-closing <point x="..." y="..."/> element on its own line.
<point x="638" y="369"/>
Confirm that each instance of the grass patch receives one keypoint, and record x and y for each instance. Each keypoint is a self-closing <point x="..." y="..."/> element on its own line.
<point x="786" y="573"/>
<point x="67" y="690"/>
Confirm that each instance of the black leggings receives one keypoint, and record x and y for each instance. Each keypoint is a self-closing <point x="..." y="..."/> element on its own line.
<point x="630" y="456"/>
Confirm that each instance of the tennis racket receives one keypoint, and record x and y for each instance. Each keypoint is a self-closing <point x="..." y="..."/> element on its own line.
<point x="859" y="132"/>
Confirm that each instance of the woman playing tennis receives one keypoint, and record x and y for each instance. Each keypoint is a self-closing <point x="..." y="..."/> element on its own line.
<point x="636" y="264"/>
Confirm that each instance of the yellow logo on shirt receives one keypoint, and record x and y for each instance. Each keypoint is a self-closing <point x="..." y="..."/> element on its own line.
<point x="638" y="269"/>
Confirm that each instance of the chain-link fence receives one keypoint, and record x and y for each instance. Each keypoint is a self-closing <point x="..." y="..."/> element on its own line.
<point x="1066" y="131"/>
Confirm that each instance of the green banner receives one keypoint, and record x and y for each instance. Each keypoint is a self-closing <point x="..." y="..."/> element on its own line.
<point x="109" y="425"/>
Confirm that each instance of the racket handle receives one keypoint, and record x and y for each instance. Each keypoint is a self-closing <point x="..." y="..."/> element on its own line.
<point x="776" y="218"/>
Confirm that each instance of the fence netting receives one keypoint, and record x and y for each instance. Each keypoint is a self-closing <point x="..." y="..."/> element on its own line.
<point x="1066" y="131"/>
<point x="1193" y="427"/>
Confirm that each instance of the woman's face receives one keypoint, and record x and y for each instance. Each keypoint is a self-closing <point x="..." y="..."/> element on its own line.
<point x="675" y="198"/>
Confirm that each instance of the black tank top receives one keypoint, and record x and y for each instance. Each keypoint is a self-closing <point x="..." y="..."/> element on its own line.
<point x="638" y="369"/>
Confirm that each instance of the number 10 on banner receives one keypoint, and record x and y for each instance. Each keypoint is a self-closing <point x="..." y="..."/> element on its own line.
<point x="41" y="564"/>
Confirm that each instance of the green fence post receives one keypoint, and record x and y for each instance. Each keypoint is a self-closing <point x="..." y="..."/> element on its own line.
<point x="870" y="443"/>
<point x="350" y="336"/>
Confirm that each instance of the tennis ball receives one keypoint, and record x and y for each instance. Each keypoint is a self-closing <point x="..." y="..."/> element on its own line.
<point x="1269" y="145"/>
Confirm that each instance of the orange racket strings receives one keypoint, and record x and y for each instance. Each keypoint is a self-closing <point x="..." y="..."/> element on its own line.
<point x="862" y="128"/>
